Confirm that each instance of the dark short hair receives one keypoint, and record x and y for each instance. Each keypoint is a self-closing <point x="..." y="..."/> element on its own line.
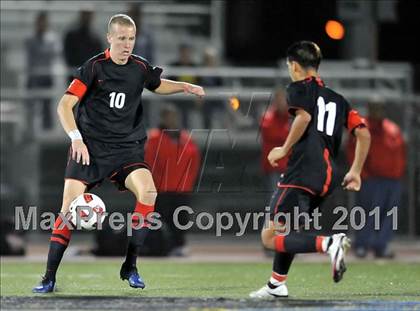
<point x="305" y="53"/>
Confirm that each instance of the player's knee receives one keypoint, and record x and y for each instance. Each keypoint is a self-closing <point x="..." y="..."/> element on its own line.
<point x="267" y="238"/>
<point x="147" y="195"/>
<point x="67" y="199"/>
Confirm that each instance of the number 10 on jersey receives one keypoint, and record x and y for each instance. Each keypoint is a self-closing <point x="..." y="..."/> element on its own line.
<point x="331" y="108"/>
<point x="117" y="100"/>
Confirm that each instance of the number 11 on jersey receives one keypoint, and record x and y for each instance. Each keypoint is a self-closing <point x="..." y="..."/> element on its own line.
<point x="331" y="108"/>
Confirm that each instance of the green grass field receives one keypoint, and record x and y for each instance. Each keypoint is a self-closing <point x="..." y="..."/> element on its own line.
<point x="362" y="281"/>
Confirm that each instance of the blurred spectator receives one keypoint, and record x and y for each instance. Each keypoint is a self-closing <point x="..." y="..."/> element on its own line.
<point x="274" y="130"/>
<point x="381" y="186"/>
<point x="12" y="242"/>
<point x="41" y="52"/>
<point x="175" y="161"/>
<point x="185" y="59"/>
<point x="144" y="46"/>
<point x="212" y="106"/>
<point x="81" y="43"/>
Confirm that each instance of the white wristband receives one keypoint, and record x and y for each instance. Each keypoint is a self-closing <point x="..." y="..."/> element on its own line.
<point x="74" y="135"/>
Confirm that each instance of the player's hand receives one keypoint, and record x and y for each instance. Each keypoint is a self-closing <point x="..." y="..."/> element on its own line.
<point x="194" y="89"/>
<point x="79" y="152"/>
<point x="276" y="154"/>
<point x="352" y="181"/>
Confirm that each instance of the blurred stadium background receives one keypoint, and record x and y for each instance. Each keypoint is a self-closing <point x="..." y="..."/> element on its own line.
<point x="377" y="56"/>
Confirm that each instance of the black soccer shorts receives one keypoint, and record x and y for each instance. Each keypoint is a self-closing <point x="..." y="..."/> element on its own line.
<point x="114" y="161"/>
<point x="284" y="201"/>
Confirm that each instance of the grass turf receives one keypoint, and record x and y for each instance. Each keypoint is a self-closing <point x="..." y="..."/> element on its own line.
<point x="382" y="281"/>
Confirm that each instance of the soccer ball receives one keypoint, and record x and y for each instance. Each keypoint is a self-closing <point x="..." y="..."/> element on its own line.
<point x="86" y="211"/>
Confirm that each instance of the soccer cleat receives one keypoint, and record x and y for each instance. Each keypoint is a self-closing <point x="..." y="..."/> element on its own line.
<point x="270" y="292"/>
<point x="337" y="251"/>
<point x="133" y="277"/>
<point x="46" y="286"/>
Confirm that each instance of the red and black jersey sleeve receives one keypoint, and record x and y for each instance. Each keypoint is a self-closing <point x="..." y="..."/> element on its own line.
<point x="353" y="119"/>
<point x="153" y="78"/>
<point x="82" y="80"/>
<point x="299" y="97"/>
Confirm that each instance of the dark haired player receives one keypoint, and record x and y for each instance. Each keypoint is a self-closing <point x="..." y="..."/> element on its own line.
<point x="320" y="114"/>
<point x="108" y="137"/>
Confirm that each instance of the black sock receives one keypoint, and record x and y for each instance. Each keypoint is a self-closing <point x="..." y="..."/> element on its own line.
<point x="282" y="262"/>
<point x="135" y="242"/>
<point x="281" y="265"/>
<point x="55" y="254"/>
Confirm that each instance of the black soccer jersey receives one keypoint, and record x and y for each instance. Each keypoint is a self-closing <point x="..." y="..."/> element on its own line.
<point x="311" y="165"/>
<point x="110" y="108"/>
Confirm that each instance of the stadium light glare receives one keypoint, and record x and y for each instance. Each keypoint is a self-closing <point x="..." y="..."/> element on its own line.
<point x="335" y="30"/>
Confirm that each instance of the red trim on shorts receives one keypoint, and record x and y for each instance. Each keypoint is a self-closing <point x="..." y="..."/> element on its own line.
<point x="138" y="163"/>
<point x="127" y="166"/>
<point x="77" y="88"/>
<point x="318" y="243"/>
<point x="280" y="200"/>
<point x="279" y="243"/>
<point x="329" y="172"/>
<point x="279" y="185"/>
<point x="279" y="277"/>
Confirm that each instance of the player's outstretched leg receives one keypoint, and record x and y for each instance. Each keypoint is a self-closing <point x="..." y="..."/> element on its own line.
<point x="60" y="238"/>
<point x="337" y="251"/>
<point x="140" y="182"/>
<point x="295" y="243"/>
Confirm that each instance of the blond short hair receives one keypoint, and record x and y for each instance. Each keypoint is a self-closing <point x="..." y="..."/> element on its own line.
<point x="121" y="19"/>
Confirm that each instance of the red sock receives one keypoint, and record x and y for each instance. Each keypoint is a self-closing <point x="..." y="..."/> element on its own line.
<point x="136" y="241"/>
<point x="279" y="243"/>
<point x="61" y="233"/>
<point x="144" y="210"/>
<point x="296" y="243"/>
<point x="59" y="240"/>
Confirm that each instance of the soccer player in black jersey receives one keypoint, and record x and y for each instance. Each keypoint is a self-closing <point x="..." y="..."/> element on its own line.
<point x="320" y="114"/>
<point x="108" y="137"/>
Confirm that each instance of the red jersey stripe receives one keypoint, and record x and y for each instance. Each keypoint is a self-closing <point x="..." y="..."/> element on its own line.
<point x="280" y="185"/>
<point x="329" y="172"/>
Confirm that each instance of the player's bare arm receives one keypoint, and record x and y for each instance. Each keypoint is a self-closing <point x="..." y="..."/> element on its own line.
<point x="65" y="113"/>
<point x="172" y="87"/>
<point x="298" y="128"/>
<point x="352" y="180"/>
